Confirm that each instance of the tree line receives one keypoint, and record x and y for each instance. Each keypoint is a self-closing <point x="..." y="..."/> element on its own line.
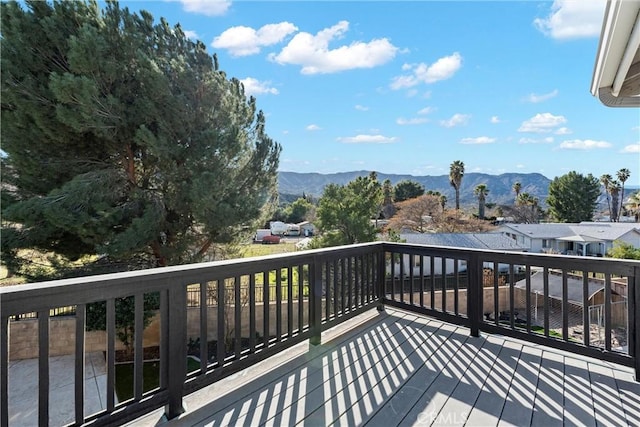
<point x="348" y="213"/>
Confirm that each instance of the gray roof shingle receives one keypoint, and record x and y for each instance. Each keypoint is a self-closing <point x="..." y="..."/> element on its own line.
<point x="600" y="230"/>
<point x="493" y="241"/>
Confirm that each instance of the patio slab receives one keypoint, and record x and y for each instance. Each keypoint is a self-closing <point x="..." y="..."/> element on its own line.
<point x="23" y="393"/>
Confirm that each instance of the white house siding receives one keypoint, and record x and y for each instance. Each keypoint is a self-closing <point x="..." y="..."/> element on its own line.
<point x="632" y="238"/>
<point x="534" y="244"/>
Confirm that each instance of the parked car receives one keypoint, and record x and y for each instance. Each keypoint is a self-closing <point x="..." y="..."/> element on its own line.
<point x="270" y="240"/>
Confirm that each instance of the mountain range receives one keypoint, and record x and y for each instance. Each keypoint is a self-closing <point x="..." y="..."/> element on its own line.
<point x="292" y="185"/>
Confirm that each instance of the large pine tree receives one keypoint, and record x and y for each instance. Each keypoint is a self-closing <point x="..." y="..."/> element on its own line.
<point x="573" y="197"/>
<point x="122" y="137"/>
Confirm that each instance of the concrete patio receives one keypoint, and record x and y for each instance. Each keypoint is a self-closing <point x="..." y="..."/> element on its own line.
<point x="23" y="393"/>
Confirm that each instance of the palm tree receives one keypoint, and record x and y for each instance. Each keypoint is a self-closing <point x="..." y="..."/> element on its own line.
<point x="606" y="182"/>
<point x="526" y="199"/>
<point x="456" y="172"/>
<point x="534" y="208"/>
<point x="623" y="175"/>
<point x="481" y="191"/>
<point x="633" y="205"/>
<point x="517" y="187"/>
<point x="614" y="190"/>
<point x="443" y="201"/>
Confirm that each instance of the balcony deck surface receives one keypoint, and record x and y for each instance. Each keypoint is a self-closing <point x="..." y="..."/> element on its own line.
<point x="397" y="368"/>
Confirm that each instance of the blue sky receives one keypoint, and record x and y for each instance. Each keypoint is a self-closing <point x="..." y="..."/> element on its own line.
<point x="409" y="87"/>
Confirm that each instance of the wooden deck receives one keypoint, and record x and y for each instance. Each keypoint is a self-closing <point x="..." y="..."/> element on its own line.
<point x="397" y="368"/>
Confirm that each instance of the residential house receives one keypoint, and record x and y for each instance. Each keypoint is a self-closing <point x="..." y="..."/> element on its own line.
<point x="585" y="238"/>
<point x="491" y="241"/>
<point x="306" y="228"/>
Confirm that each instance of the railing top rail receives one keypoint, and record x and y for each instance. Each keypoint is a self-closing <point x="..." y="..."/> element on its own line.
<point x="34" y="296"/>
<point x="42" y="295"/>
<point x="623" y="267"/>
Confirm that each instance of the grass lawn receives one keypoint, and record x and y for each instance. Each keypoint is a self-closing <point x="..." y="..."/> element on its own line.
<point x="255" y="249"/>
<point x="539" y="330"/>
<point x="150" y="377"/>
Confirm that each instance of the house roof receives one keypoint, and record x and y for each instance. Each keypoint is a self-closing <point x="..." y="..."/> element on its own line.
<point x="574" y="287"/>
<point x="582" y="232"/>
<point x="540" y="231"/>
<point x="581" y="239"/>
<point x="616" y="74"/>
<point x="493" y="241"/>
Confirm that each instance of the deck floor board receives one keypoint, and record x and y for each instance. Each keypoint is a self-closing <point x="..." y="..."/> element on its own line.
<point x="397" y="368"/>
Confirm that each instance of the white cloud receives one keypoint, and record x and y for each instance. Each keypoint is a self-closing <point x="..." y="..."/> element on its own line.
<point x="243" y="41"/>
<point x="535" y="98"/>
<point x="444" y="68"/>
<point x="312" y="52"/>
<point x="570" y="19"/>
<point x="563" y="131"/>
<point x="206" y="7"/>
<point x="191" y="34"/>
<point x="584" y="144"/>
<point x="255" y="87"/>
<point x="547" y="140"/>
<point x="364" y="139"/>
<point x="456" y="120"/>
<point x="426" y="110"/>
<point x="413" y="121"/>
<point x="361" y="108"/>
<point x="313" y="127"/>
<point x="495" y="119"/>
<point x="542" y="123"/>
<point x="633" y="148"/>
<point x="478" y="140"/>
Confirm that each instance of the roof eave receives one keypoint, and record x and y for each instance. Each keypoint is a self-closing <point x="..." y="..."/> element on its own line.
<point x="615" y="78"/>
<point x="606" y="97"/>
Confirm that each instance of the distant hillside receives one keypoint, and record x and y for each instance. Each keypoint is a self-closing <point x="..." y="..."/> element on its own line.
<point x="292" y="185"/>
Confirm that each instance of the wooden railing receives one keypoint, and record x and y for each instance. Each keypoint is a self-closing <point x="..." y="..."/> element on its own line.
<point x="229" y="314"/>
<point x="314" y="291"/>
<point x="565" y="302"/>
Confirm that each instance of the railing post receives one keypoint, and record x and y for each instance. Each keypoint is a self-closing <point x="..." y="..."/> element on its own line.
<point x="176" y="349"/>
<point x="315" y="318"/>
<point x="633" y="306"/>
<point x="380" y="276"/>
<point x="474" y="295"/>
